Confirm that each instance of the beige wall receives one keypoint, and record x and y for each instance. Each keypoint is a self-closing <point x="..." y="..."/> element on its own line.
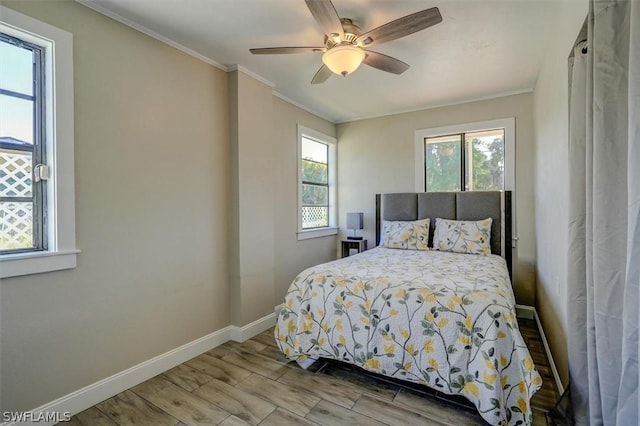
<point x="151" y="149"/>
<point x="265" y="254"/>
<point x="291" y="255"/>
<point x="253" y="173"/>
<point x="551" y="112"/>
<point x="377" y="155"/>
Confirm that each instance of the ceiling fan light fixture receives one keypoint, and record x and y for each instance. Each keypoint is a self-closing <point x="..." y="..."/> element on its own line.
<point x="343" y="59"/>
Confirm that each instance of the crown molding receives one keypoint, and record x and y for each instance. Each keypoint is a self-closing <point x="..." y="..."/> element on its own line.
<point x="441" y="105"/>
<point x="236" y="67"/>
<point x="128" y="22"/>
<point x="306" y="108"/>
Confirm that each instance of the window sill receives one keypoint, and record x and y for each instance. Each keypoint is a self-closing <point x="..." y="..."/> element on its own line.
<point x="15" y="265"/>
<point x="317" y="233"/>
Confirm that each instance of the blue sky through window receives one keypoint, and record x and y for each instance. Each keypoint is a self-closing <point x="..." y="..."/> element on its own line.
<point x="16" y="75"/>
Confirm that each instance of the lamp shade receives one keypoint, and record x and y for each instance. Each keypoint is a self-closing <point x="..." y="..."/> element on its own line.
<point x="343" y="59"/>
<point x="355" y="220"/>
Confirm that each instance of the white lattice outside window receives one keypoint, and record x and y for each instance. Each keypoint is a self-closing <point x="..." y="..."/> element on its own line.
<point x="16" y="219"/>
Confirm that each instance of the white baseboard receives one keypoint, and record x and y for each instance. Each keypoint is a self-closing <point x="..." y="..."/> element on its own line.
<point x="524" y="311"/>
<point x="80" y="400"/>
<point x="240" y="334"/>
<point x="277" y="309"/>
<point x="552" y="364"/>
<point x="529" y="312"/>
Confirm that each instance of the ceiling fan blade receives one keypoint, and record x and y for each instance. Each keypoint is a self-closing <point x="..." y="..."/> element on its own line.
<point x="326" y="16"/>
<point x="322" y="75"/>
<point x="285" y="50"/>
<point x="385" y="63"/>
<point x="401" y="27"/>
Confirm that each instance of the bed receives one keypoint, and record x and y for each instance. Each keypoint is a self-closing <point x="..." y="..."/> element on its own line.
<point x="442" y="319"/>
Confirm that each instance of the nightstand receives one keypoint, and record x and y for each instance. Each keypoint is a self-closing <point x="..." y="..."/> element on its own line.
<point x="348" y="245"/>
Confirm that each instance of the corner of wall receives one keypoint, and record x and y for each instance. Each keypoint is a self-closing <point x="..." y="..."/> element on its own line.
<point x="551" y="112"/>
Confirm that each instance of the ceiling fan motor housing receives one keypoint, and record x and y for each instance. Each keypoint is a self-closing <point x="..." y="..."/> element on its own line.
<point x="351" y="33"/>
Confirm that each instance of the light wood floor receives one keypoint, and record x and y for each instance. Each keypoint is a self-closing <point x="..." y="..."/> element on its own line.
<point x="251" y="383"/>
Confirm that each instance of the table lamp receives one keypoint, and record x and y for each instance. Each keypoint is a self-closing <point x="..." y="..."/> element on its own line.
<point x="355" y="221"/>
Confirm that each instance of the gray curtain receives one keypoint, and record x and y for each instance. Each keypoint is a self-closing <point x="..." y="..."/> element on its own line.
<point x="604" y="217"/>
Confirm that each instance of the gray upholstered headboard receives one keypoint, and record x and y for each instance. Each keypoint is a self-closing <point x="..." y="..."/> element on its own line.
<point x="468" y="205"/>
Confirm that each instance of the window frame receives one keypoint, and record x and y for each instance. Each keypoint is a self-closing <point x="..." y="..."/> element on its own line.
<point x="508" y="124"/>
<point x="465" y="151"/>
<point x="332" y="164"/>
<point x="60" y="246"/>
<point x="38" y="197"/>
<point x="316" y="184"/>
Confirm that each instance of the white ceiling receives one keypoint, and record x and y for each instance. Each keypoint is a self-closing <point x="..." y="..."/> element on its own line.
<point x="481" y="49"/>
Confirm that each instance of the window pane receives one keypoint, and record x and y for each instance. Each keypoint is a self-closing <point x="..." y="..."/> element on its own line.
<point x="442" y="163"/>
<point x="16" y="68"/>
<point x="316" y="151"/>
<point x="485" y="160"/>
<point x="315" y="217"/>
<point x="16" y="119"/>
<point x="16" y="225"/>
<point x="313" y="195"/>
<point x="15" y="173"/>
<point x="315" y="172"/>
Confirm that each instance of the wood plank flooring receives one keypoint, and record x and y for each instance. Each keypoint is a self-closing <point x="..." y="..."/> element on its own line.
<point x="251" y="383"/>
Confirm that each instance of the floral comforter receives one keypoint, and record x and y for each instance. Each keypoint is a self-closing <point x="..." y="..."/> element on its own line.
<point x="442" y="319"/>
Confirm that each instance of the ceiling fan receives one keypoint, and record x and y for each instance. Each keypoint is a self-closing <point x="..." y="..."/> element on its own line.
<point x="346" y="47"/>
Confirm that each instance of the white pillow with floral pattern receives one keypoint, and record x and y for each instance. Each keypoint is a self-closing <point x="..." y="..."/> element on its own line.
<point x="463" y="236"/>
<point x="406" y="235"/>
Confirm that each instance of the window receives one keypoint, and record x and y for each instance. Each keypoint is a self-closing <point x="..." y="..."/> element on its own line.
<point x="37" y="222"/>
<point x="469" y="157"/>
<point x="22" y="201"/>
<point x="316" y="184"/>
<point x="472" y="161"/>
